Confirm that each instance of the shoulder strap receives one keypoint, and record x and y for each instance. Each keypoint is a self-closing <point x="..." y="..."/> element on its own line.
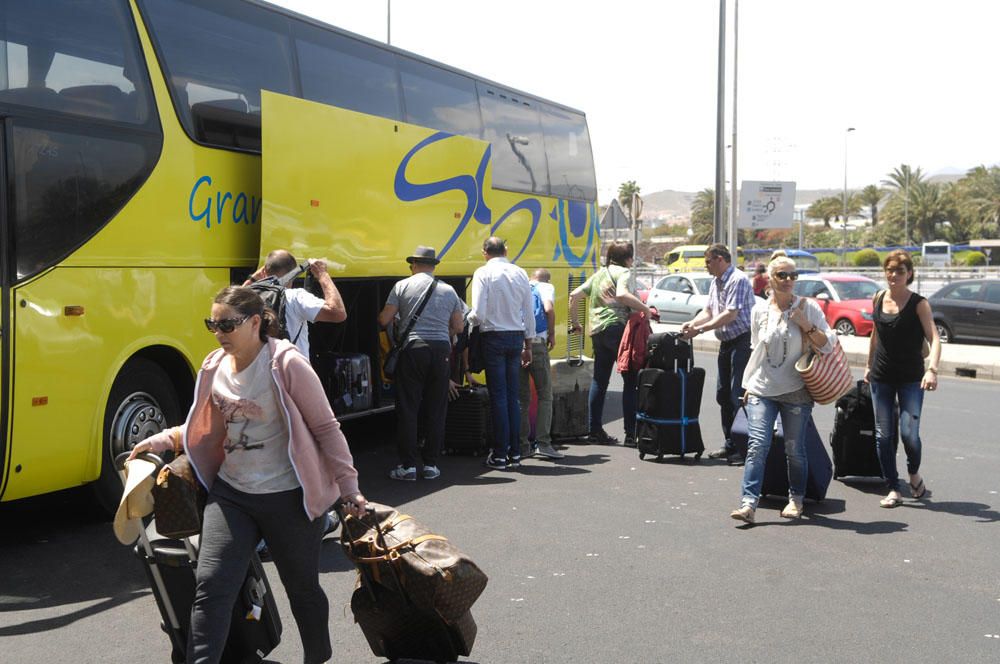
<point x="419" y="310"/>
<point x="877" y="300"/>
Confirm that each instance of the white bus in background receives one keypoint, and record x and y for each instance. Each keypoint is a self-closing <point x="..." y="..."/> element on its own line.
<point x="936" y="254"/>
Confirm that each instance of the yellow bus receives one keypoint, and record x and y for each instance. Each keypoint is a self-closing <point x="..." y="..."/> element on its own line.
<point x="145" y="167"/>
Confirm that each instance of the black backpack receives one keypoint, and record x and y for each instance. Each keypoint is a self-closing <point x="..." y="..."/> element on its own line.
<point x="273" y="293"/>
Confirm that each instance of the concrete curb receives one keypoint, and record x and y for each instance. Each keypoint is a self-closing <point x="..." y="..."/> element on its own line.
<point x="957" y="360"/>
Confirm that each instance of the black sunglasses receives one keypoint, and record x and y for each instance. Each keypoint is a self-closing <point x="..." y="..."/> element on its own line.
<point x="225" y="325"/>
<point x="785" y="276"/>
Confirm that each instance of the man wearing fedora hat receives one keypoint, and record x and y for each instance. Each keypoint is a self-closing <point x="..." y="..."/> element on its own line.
<point x="423" y="369"/>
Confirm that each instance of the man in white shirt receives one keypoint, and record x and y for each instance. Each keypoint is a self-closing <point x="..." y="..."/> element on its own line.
<point x="503" y="307"/>
<point x="301" y="306"/>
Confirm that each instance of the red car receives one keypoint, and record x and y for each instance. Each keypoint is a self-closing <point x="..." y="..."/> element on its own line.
<point x="846" y="299"/>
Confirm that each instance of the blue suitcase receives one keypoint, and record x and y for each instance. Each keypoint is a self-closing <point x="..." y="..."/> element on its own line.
<point x="776" y="472"/>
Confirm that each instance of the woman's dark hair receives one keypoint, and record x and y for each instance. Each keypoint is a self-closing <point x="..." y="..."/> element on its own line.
<point x="618" y="252"/>
<point x="900" y="257"/>
<point x="246" y="301"/>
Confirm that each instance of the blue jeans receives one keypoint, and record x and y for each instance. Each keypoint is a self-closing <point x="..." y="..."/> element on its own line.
<point x="605" y="345"/>
<point x="502" y="355"/>
<point x="761" y="414"/>
<point x="911" y="401"/>
<point x="733" y="357"/>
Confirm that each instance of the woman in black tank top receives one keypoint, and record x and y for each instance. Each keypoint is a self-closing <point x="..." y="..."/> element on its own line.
<point x="903" y="322"/>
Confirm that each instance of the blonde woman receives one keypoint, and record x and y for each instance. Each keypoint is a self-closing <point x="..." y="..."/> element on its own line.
<point x="779" y="328"/>
<point x="903" y="321"/>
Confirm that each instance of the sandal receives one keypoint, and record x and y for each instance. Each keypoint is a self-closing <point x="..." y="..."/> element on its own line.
<point x="890" y="502"/>
<point x="918" y="490"/>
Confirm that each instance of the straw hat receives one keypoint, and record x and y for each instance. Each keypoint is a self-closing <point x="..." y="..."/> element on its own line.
<point x="137" y="499"/>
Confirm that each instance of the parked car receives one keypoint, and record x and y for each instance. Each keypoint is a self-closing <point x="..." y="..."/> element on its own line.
<point x="678" y="297"/>
<point x="846" y="299"/>
<point x="968" y="310"/>
<point x="641" y="290"/>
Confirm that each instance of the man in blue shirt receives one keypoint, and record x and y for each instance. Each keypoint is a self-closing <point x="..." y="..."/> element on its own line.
<point x="730" y="300"/>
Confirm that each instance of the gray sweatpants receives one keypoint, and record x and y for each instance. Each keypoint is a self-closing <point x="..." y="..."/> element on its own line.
<point x="233" y="524"/>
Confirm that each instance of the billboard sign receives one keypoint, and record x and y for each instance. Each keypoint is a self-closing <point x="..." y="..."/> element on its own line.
<point x="766" y="204"/>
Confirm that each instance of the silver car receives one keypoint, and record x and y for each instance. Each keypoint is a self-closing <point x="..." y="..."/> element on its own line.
<point x="678" y="297"/>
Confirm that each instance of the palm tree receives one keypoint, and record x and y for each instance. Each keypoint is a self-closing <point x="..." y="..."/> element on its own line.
<point x="703" y="216"/>
<point x="980" y="196"/>
<point x="871" y="196"/>
<point x="903" y="176"/>
<point x="825" y="208"/>
<point x="625" y="193"/>
<point x="928" y="207"/>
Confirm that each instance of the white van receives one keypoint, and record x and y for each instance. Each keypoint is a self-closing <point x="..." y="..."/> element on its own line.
<point x="936" y="254"/>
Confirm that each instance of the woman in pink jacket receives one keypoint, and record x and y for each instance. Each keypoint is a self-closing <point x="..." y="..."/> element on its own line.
<point x="263" y="440"/>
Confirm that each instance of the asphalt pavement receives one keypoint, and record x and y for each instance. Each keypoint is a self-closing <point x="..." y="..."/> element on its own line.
<point x="604" y="558"/>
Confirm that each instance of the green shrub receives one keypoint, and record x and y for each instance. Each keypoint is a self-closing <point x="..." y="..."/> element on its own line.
<point x="827" y="259"/>
<point x="866" y="258"/>
<point x="975" y="258"/>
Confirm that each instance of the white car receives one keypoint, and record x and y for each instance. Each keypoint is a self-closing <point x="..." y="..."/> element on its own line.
<point x="678" y="297"/>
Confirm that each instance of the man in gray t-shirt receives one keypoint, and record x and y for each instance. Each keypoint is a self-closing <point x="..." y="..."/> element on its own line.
<point x="422" y="371"/>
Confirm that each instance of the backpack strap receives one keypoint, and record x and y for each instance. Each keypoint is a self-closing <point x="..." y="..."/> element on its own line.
<point x="419" y="310"/>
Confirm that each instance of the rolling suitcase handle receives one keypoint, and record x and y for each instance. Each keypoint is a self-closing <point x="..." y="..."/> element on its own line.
<point x="147" y="548"/>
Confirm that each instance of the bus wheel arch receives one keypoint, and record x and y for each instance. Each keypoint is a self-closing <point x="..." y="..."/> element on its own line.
<point x="147" y="395"/>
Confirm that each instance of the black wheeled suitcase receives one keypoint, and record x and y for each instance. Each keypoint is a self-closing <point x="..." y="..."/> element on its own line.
<point x="853" y="437"/>
<point x="347" y="381"/>
<point x="668" y="351"/>
<point x="667" y="418"/>
<point x="820" y="468"/>
<point x="467" y="427"/>
<point x="255" y="628"/>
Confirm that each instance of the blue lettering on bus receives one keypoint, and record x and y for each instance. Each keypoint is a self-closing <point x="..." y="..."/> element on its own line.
<point x="241" y="208"/>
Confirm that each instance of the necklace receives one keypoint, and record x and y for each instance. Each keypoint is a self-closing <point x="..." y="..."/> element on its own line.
<point x="782" y="318"/>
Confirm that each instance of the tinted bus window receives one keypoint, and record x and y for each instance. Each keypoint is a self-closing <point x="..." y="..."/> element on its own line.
<point x="218" y="55"/>
<point x="341" y="71"/>
<point x="567" y="147"/>
<point x="513" y="126"/>
<point x="67" y="184"/>
<point x="75" y="56"/>
<point x="439" y="99"/>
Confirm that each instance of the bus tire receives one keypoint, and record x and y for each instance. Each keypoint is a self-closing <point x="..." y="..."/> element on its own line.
<point x="142" y="402"/>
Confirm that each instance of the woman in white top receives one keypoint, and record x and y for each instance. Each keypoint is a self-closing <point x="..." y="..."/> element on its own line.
<point x="779" y="328"/>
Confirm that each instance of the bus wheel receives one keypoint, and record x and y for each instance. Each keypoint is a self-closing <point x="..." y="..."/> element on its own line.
<point x="142" y="403"/>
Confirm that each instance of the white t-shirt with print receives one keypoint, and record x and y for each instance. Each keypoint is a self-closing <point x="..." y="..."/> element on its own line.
<point x="256" y="444"/>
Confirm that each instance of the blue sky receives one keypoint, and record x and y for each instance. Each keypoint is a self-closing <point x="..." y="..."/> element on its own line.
<point x="915" y="78"/>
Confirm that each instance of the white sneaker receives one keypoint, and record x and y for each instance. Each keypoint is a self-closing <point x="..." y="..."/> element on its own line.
<point x="793" y="510"/>
<point x="546" y="451"/>
<point x="431" y="473"/>
<point x="744" y="514"/>
<point x="405" y="474"/>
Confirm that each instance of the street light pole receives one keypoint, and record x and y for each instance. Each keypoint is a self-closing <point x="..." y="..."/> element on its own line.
<point x="734" y="205"/>
<point x="388" y="22"/>
<point x="843" y="255"/>
<point x="720" y="141"/>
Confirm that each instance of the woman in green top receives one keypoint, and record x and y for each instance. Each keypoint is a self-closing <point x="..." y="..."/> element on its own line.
<point x="610" y="303"/>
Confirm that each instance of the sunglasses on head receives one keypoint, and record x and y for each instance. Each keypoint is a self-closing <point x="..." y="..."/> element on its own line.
<point x="224" y="325"/>
<point x="785" y="276"/>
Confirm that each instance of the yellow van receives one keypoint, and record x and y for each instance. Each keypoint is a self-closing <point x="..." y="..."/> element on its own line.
<point x="691" y="258"/>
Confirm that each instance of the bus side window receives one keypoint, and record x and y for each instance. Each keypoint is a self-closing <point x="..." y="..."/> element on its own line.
<point x="80" y="58"/>
<point x="513" y="126"/>
<point x="567" y="148"/>
<point x="439" y="99"/>
<point x="217" y="55"/>
<point x="341" y="71"/>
